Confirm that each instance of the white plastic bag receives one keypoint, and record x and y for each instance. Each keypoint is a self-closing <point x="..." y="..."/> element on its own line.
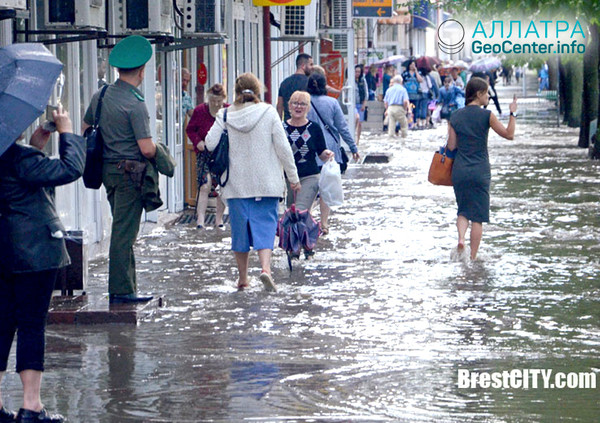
<point x="435" y="115"/>
<point x="330" y="184"/>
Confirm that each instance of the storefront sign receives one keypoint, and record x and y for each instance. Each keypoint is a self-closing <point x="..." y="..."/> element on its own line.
<point x="280" y="2"/>
<point x="202" y="74"/>
<point x="372" y="8"/>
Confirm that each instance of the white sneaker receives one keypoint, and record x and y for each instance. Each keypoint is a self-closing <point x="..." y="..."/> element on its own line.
<point x="267" y="281"/>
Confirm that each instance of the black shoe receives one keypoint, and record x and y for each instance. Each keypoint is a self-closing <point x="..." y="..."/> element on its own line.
<point x="127" y="299"/>
<point x="7" y="416"/>
<point x="28" y="416"/>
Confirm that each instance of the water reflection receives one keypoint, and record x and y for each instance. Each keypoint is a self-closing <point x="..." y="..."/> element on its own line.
<point x="378" y="325"/>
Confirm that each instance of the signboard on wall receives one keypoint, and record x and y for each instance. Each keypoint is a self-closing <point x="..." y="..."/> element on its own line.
<point x="13" y="4"/>
<point x="202" y="74"/>
<point x="370" y="55"/>
<point x="371" y="8"/>
<point x="281" y="2"/>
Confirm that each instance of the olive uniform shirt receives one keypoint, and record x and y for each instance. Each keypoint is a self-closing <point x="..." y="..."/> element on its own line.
<point x="124" y="119"/>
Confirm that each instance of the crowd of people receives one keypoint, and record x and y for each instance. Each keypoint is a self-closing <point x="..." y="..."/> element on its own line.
<point x="434" y="93"/>
<point x="267" y="146"/>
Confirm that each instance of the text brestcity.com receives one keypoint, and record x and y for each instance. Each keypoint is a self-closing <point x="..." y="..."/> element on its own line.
<point x="526" y="379"/>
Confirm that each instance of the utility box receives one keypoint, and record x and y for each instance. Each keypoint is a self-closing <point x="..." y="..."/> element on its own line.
<point x="299" y="22"/>
<point x="13" y="4"/>
<point x="200" y="16"/>
<point x="73" y="277"/>
<point x="74" y="13"/>
<point x="148" y="16"/>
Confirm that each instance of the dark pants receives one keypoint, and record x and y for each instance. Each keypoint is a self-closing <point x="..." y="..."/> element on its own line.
<point x="24" y="302"/>
<point x="126" y="206"/>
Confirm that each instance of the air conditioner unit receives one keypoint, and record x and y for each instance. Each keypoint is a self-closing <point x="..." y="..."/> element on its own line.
<point x="13" y="4"/>
<point x="299" y="21"/>
<point x="151" y="16"/>
<point x="339" y="20"/>
<point x="199" y="16"/>
<point x="74" y="13"/>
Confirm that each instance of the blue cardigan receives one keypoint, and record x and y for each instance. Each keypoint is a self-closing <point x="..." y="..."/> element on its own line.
<point x="334" y="118"/>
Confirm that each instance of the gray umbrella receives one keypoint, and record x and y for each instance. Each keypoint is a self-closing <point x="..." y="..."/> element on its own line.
<point x="28" y="72"/>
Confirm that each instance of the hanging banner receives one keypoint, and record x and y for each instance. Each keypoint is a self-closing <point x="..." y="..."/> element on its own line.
<point x="372" y="8"/>
<point x="202" y="74"/>
<point x="281" y="2"/>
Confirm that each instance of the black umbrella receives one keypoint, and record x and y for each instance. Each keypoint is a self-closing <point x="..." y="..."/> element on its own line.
<point x="28" y="72"/>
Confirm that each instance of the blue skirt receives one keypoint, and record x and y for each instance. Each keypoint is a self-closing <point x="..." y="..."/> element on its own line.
<point x="253" y="223"/>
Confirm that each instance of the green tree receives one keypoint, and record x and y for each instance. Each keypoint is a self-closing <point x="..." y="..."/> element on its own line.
<point x="582" y="95"/>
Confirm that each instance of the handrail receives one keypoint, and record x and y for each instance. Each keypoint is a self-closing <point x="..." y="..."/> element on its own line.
<point x="288" y="54"/>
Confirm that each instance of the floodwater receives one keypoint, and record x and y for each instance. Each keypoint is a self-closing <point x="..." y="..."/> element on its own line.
<point x="377" y="327"/>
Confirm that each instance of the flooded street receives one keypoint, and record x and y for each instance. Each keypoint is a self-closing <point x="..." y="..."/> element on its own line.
<point x="378" y="325"/>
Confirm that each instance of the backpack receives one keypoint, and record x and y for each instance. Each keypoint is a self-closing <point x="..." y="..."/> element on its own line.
<point x="412" y="85"/>
<point x="218" y="162"/>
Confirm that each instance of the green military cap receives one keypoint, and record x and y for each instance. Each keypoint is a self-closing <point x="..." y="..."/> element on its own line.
<point x="130" y="52"/>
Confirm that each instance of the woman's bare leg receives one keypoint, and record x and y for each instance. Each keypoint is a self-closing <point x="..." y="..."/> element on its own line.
<point x="202" y="203"/>
<point x="264" y="257"/>
<point x="325" y="210"/>
<point x="32" y="383"/>
<point x="220" y="211"/>
<point x="462" y="224"/>
<point x="476" y="234"/>
<point x="242" y="264"/>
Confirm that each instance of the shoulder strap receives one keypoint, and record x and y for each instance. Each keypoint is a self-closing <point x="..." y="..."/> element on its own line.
<point x="321" y="119"/>
<point x="99" y="106"/>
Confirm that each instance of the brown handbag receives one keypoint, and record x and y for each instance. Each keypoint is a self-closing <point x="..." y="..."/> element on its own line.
<point x="440" y="171"/>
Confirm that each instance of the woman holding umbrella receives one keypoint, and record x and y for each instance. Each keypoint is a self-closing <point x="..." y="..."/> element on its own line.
<point x="32" y="246"/>
<point x="412" y="82"/>
<point x="307" y="141"/>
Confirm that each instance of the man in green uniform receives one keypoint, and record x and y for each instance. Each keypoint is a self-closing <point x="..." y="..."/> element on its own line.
<point x="125" y="127"/>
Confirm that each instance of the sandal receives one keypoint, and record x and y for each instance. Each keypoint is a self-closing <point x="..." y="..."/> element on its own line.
<point x="242" y="286"/>
<point x="324" y="230"/>
<point x="267" y="281"/>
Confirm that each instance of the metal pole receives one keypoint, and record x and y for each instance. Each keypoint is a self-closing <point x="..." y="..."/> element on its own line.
<point x="558" y="93"/>
<point x="351" y="79"/>
<point x="267" y="53"/>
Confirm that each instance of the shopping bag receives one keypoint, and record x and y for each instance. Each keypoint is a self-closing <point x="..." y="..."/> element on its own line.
<point x="330" y="184"/>
<point x="435" y="115"/>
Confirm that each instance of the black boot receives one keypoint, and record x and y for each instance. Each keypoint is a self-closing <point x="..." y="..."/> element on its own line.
<point x="7" y="416"/>
<point x="127" y="299"/>
<point x="28" y="416"/>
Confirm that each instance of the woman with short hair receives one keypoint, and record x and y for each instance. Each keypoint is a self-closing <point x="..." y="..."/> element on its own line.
<point x="307" y="142"/>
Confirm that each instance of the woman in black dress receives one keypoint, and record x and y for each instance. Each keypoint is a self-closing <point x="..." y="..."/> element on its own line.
<point x="468" y="131"/>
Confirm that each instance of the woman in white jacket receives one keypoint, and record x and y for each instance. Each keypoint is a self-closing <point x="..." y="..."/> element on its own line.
<point x="258" y="154"/>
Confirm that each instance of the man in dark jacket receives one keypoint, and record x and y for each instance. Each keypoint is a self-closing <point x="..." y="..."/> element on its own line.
<point x="32" y="249"/>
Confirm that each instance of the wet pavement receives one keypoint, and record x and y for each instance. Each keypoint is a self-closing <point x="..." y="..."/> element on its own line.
<point x="377" y="326"/>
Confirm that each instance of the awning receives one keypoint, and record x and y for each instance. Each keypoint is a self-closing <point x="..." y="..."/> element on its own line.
<point x="400" y="16"/>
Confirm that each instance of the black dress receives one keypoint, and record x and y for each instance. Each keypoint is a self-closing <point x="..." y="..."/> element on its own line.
<point x="471" y="171"/>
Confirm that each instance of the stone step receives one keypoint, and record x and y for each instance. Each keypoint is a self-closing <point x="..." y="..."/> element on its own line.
<point x="95" y="309"/>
